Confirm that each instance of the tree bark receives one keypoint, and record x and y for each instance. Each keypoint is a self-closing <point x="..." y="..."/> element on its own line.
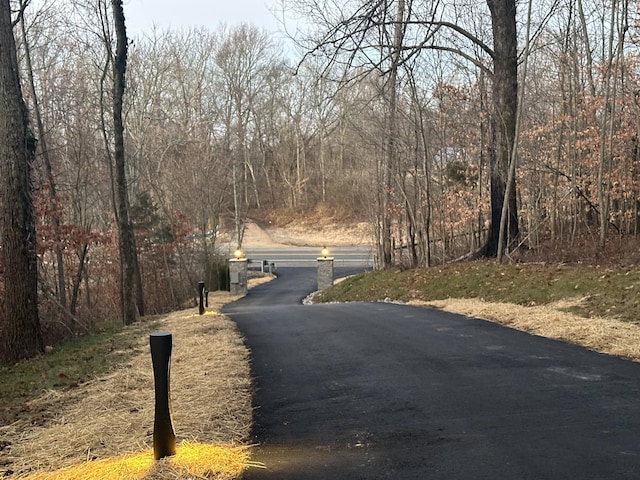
<point x="386" y="247"/>
<point x="126" y="239"/>
<point x="513" y="159"/>
<point x="20" y="336"/>
<point x="503" y="121"/>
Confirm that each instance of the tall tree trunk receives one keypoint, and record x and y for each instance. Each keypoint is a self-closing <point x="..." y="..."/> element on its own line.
<point x="75" y="290"/>
<point x="422" y="190"/>
<point x="587" y="51"/>
<point x="386" y="257"/>
<point x="614" y="52"/>
<point x="20" y="336"/>
<point x="505" y="102"/>
<point x="513" y="159"/>
<point x="55" y="218"/>
<point x="127" y="242"/>
<point x="236" y="201"/>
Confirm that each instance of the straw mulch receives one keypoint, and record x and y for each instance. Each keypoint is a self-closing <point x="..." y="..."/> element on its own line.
<point x="109" y="420"/>
<point x="602" y="335"/>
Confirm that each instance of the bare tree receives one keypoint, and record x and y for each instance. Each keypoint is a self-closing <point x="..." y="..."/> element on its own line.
<point x="131" y="286"/>
<point x="505" y="106"/>
<point x="20" y="336"/>
<point x="242" y="58"/>
<point x="614" y="51"/>
<point x="354" y="36"/>
<point x="42" y="144"/>
<point x="510" y="184"/>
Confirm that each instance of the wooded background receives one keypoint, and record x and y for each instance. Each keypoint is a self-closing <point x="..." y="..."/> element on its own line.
<point x="387" y="110"/>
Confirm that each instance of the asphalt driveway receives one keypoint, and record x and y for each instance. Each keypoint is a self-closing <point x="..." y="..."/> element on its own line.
<point x="375" y="390"/>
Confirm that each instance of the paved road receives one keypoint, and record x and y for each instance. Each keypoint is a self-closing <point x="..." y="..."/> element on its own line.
<point x="373" y="391"/>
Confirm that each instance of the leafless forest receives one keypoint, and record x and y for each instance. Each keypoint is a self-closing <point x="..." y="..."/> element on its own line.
<point x="456" y="128"/>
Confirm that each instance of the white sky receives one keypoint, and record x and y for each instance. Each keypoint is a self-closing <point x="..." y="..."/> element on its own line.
<point x="142" y="15"/>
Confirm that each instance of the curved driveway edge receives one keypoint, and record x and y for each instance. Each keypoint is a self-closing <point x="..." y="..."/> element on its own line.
<point x="372" y="390"/>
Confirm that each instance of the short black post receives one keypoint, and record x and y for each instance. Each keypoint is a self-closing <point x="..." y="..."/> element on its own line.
<point x="201" y="293"/>
<point x="206" y="297"/>
<point x="164" y="437"/>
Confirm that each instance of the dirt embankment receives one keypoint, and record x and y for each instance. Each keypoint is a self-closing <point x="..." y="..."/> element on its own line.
<point x="315" y="228"/>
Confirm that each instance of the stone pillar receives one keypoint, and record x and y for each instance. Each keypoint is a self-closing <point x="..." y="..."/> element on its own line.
<point x="325" y="272"/>
<point x="238" y="276"/>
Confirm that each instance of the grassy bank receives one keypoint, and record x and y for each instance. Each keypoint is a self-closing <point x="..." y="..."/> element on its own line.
<point x="67" y="367"/>
<point x="86" y="409"/>
<point x="603" y="292"/>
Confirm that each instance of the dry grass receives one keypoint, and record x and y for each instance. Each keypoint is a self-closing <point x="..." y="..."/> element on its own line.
<point x="319" y="235"/>
<point x="106" y="425"/>
<point x="315" y="228"/>
<point x="604" y="335"/>
<point x="192" y="460"/>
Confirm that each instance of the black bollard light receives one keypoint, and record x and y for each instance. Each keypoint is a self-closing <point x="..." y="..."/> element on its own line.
<point x="164" y="437"/>
<point x="201" y="293"/>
